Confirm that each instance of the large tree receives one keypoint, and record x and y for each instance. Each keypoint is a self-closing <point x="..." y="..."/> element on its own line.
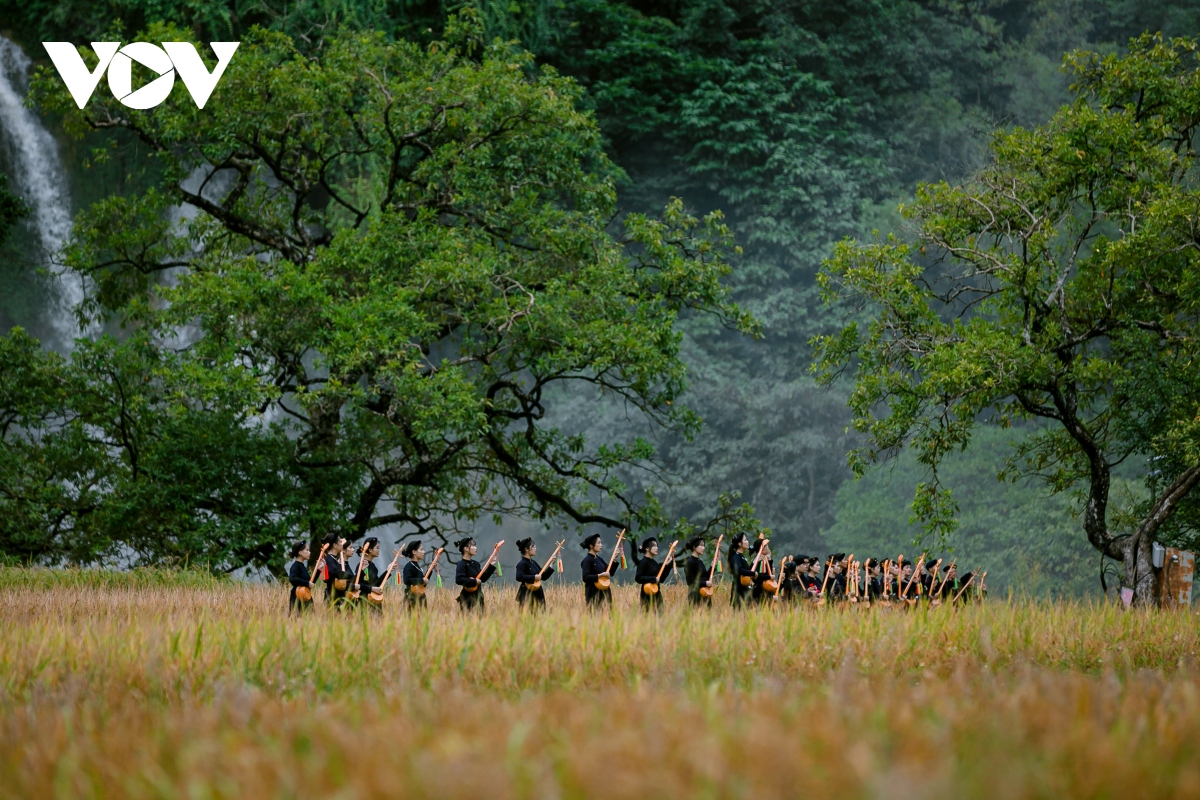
<point x="1062" y="283"/>
<point x="125" y="451"/>
<point x="400" y="253"/>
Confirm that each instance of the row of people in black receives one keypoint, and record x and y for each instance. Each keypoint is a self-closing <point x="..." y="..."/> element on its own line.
<point x="755" y="576"/>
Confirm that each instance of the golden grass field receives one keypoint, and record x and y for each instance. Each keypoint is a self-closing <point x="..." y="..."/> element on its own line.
<point x="160" y="686"/>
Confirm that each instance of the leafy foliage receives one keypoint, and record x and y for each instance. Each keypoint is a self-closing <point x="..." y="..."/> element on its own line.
<point x="803" y="121"/>
<point x="397" y="254"/>
<point x="1026" y="538"/>
<point x="124" y="452"/>
<point x="1058" y="284"/>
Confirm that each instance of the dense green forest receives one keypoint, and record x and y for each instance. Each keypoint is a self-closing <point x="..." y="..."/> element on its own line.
<point x="803" y="122"/>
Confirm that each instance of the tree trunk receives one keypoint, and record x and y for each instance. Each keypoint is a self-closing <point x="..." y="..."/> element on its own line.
<point x="1139" y="571"/>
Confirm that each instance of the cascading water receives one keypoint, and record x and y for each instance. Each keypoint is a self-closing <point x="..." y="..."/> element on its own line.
<point x="41" y="181"/>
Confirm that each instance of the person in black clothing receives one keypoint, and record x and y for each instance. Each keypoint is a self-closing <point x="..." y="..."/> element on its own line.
<point x="337" y="577"/>
<point x="413" y="576"/>
<point x="739" y="568"/>
<point x="967" y="588"/>
<point x="791" y="589"/>
<point x="647" y="573"/>
<point x="808" y="583"/>
<point x="895" y="579"/>
<point x="763" y="573"/>
<point x="594" y="567"/>
<point x="369" y="577"/>
<point x="949" y="584"/>
<point x="908" y="587"/>
<point x="530" y="572"/>
<point x="696" y="573"/>
<point x="298" y="576"/>
<point x="928" y="571"/>
<point x="814" y="575"/>
<point x="468" y="576"/>
<point x="874" y="578"/>
<point x="835" y="587"/>
<point x="809" y="574"/>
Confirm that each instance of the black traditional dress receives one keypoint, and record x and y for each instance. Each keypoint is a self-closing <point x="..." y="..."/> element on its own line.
<point x="739" y="568"/>
<point x="468" y="576"/>
<point x="759" y="593"/>
<point x="647" y="574"/>
<point x="592" y="566"/>
<point x="369" y="578"/>
<point x="297" y="577"/>
<point x="334" y="571"/>
<point x="530" y="572"/>
<point x="413" y="578"/>
<point x="697" y="575"/>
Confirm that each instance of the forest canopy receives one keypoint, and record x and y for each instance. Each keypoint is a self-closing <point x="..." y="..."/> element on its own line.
<point x="1057" y="285"/>
<point x="397" y="254"/>
<point x="802" y="123"/>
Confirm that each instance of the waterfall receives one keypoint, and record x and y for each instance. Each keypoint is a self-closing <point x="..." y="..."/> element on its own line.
<point x="41" y="181"/>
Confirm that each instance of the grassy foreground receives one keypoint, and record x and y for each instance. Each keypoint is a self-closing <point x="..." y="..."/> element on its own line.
<point x="205" y="689"/>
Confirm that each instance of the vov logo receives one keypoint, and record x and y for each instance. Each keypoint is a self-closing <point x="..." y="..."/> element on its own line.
<point x="172" y="57"/>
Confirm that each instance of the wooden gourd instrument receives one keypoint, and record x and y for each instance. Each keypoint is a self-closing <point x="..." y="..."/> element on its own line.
<point x="849" y="567"/>
<point x="375" y="596"/>
<point x="746" y="580"/>
<point x="707" y="591"/>
<point x="921" y="587"/>
<point x="652" y="588"/>
<point x="483" y="569"/>
<point x="538" y="583"/>
<point x="771" y="584"/>
<point x="340" y="584"/>
<point x="303" y="593"/>
<point x="419" y="590"/>
<point x="886" y="599"/>
<point x="916" y="574"/>
<point x="935" y="596"/>
<point x="824" y="583"/>
<point x="362" y="559"/>
<point x="936" y="566"/>
<point x="604" y="582"/>
<point x="964" y="586"/>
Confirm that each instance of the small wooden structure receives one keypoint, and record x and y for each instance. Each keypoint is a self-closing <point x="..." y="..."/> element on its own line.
<point x="1175" y="579"/>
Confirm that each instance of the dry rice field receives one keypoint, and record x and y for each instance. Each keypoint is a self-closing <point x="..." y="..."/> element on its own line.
<point x="152" y="686"/>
